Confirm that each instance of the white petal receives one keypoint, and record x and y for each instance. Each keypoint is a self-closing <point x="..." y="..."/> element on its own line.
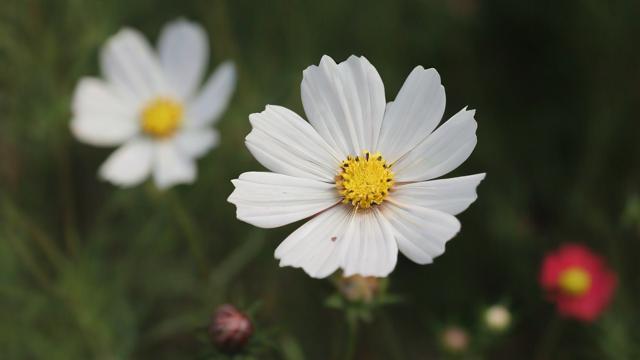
<point x="316" y="246"/>
<point x="452" y="195"/>
<point x="184" y="53"/>
<point x="345" y="103"/>
<point x="369" y="246"/>
<point x="421" y="233"/>
<point x="100" y="116"/>
<point x="270" y="200"/>
<point x="284" y="143"/>
<point x="358" y="242"/>
<point x="209" y="104"/>
<point x="196" y="142"/>
<point x="129" y="64"/>
<point x="443" y="151"/>
<point x="414" y="113"/>
<point x="172" y="166"/>
<point x="130" y="164"/>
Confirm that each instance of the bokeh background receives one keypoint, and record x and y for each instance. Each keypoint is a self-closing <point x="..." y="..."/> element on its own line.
<point x="90" y="271"/>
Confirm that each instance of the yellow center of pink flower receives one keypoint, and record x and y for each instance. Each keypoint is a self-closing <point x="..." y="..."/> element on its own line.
<point x="574" y="281"/>
<point x="364" y="180"/>
<point x="162" y="117"/>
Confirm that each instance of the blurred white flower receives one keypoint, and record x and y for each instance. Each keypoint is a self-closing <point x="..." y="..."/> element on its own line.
<point x="497" y="318"/>
<point x="361" y="168"/>
<point x="151" y="105"/>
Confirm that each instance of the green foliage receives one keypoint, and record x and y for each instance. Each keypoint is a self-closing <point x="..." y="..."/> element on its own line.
<point x="88" y="271"/>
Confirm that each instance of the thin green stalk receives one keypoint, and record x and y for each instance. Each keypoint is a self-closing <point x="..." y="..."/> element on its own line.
<point x="30" y="263"/>
<point x="186" y="224"/>
<point x="191" y="233"/>
<point x="44" y="242"/>
<point x="352" y="337"/>
<point x="244" y="253"/>
<point x="225" y="42"/>
<point x="392" y="335"/>
<point x="66" y="197"/>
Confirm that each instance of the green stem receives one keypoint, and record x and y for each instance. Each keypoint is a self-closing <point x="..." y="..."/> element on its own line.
<point x="233" y="263"/>
<point x="225" y="43"/>
<point x="391" y="334"/>
<point x="30" y="263"/>
<point x="352" y="338"/>
<point x="191" y="233"/>
<point x="66" y="197"/>
<point x="186" y="224"/>
<point x="44" y="242"/>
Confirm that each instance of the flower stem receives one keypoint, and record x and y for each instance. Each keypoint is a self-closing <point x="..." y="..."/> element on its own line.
<point x="30" y="263"/>
<point x="67" y="200"/>
<point x="44" y="242"/>
<point x="352" y="337"/>
<point x="243" y="254"/>
<point x="185" y="222"/>
<point x="191" y="233"/>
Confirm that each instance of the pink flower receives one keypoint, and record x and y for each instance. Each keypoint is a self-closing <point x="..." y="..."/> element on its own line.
<point x="578" y="281"/>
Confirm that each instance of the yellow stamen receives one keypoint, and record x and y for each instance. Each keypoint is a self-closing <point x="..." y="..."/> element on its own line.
<point x="162" y="117"/>
<point x="574" y="281"/>
<point x="364" y="180"/>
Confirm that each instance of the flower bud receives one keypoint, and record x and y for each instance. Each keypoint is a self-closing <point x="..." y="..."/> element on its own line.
<point x="230" y="329"/>
<point x="359" y="288"/>
<point x="455" y="339"/>
<point x="497" y="318"/>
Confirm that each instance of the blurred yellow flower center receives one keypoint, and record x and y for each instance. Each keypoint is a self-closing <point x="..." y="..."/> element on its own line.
<point x="364" y="180"/>
<point x="574" y="281"/>
<point x="162" y="117"/>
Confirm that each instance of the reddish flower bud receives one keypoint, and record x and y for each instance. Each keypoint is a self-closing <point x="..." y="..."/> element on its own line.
<point x="230" y="329"/>
<point x="455" y="339"/>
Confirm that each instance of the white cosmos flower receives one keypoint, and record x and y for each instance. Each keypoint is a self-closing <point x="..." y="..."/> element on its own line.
<point x="362" y="170"/>
<point x="150" y="105"/>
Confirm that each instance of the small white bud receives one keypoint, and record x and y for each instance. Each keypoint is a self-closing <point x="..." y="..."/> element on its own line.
<point x="497" y="318"/>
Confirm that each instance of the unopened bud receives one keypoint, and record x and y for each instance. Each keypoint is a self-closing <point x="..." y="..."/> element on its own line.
<point x="359" y="288"/>
<point x="230" y="329"/>
<point x="455" y="339"/>
<point x="497" y="318"/>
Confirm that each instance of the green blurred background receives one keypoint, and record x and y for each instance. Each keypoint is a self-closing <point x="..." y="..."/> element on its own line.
<point x="89" y="271"/>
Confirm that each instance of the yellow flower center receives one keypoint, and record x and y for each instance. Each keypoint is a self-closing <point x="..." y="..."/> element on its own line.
<point x="574" y="281"/>
<point x="162" y="117"/>
<point x="364" y="180"/>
